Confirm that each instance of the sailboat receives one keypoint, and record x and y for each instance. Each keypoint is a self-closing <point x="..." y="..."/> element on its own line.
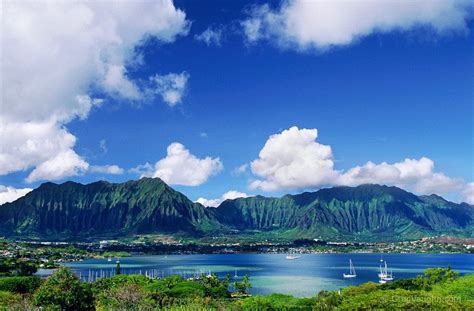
<point x="389" y="277"/>
<point x="384" y="275"/>
<point x="235" y="274"/>
<point x="352" y="272"/>
<point x="291" y="256"/>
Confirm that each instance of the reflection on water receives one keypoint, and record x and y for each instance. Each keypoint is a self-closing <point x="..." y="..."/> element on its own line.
<point x="271" y="273"/>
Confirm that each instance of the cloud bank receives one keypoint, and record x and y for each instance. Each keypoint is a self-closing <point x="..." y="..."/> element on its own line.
<point x="321" y="24"/>
<point x="229" y="195"/>
<point x="10" y="194"/>
<point x="293" y="159"/>
<point x="180" y="167"/>
<point x="57" y="52"/>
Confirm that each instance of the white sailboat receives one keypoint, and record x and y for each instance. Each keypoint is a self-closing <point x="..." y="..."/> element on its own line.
<point x="389" y="277"/>
<point x="235" y="274"/>
<point x="292" y="256"/>
<point x="383" y="271"/>
<point x="352" y="272"/>
<point x="384" y="275"/>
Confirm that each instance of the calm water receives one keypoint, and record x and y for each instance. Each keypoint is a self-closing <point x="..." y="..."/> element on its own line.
<point x="270" y="273"/>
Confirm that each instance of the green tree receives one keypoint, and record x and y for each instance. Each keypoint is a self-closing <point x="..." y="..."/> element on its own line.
<point x="117" y="268"/>
<point x="226" y="281"/>
<point x="243" y="286"/>
<point x="437" y="275"/>
<point x="128" y="296"/>
<point x="64" y="290"/>
<point x="20" y="284"/>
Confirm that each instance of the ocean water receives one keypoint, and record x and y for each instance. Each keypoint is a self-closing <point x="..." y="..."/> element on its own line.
<point x="273" y="273"/>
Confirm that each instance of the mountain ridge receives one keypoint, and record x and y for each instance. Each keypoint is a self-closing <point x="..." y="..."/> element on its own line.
<point x="147" y="206"/>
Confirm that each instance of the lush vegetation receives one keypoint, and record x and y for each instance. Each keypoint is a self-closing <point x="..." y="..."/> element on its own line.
<point x="437" y="289"/>
<point x="149" y="206"/>
<point x="100" y="209"/>
<point x="16" y="266"/>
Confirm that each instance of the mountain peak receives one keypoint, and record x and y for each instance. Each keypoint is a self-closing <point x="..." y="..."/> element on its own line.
<point x="149" y="205"/>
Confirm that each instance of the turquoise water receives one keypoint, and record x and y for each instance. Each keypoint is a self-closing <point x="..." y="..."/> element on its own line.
<point x="270" y="273"/>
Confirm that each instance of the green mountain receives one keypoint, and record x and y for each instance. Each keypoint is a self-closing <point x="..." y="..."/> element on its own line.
<point x="101" y="209"/>
<point x="366" y="212"/>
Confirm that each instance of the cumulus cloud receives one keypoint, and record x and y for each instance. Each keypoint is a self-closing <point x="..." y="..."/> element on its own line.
<point x="180" y="167"/>
<point x="417" y="175"/>
<point x="171" y="86"/>
<point x="323" y="24"/>
<point x="10" y="194"/>
<point x="229" y="195"/>
<point x="210" y="36"/>
<point x="66" y="163"/>
<point x="293" y="159"/>
<point x="468" y="193"/>
<point x="57" y="52"/>
<point x="26" y="144"/>
<point x="106" y="169"/>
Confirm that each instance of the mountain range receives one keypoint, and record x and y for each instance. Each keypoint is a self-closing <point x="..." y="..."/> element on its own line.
<point x="149" y="206"/>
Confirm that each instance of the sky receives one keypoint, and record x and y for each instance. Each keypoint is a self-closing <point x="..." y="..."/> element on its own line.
<point x="225" y="99"/>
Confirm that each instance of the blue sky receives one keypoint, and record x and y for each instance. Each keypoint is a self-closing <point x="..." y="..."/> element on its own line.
<point x="385" y="96"/>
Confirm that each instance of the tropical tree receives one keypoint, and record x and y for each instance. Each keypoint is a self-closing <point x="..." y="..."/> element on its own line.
<point x="65" y="291"/>
<point x="243" y="286"/>
<point x="117" y="268"/>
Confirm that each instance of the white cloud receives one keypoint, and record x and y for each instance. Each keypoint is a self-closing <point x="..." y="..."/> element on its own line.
<point x="239" y="170"/>
<point x="210" y="36"/>
<point x="321" y="24"/>
<point x="116" y="83"/>
<point x="106" y="169"/>
<point x="144" y="170"/>
<point x="229" y="195"/>
<point x="27" y="144"/>
<point x="67" y="163"/>
<point x="171" y="86"/>
<point x="293" y="159"/>
<point x="180" y="167"/>
<point x="58" y="51"/>
<point x="10" y="194"/>
<point x="413" y="174"/>
<point x="468" y="193"/>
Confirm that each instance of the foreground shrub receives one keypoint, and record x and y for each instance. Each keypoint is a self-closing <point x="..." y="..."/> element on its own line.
<point x="8" y="298"/>
<point x="20" y="284"/>
<point x="126" y="297"/>
<point x="63" y="290"/>
<point x="276" y="302"/>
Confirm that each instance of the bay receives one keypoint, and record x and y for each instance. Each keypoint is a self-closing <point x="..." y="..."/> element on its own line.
<point x="273" y="273"/>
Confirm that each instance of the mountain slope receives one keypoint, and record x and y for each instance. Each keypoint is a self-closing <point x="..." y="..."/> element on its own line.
<point x="369" y="212"/>
<point x="102" y="208"/>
